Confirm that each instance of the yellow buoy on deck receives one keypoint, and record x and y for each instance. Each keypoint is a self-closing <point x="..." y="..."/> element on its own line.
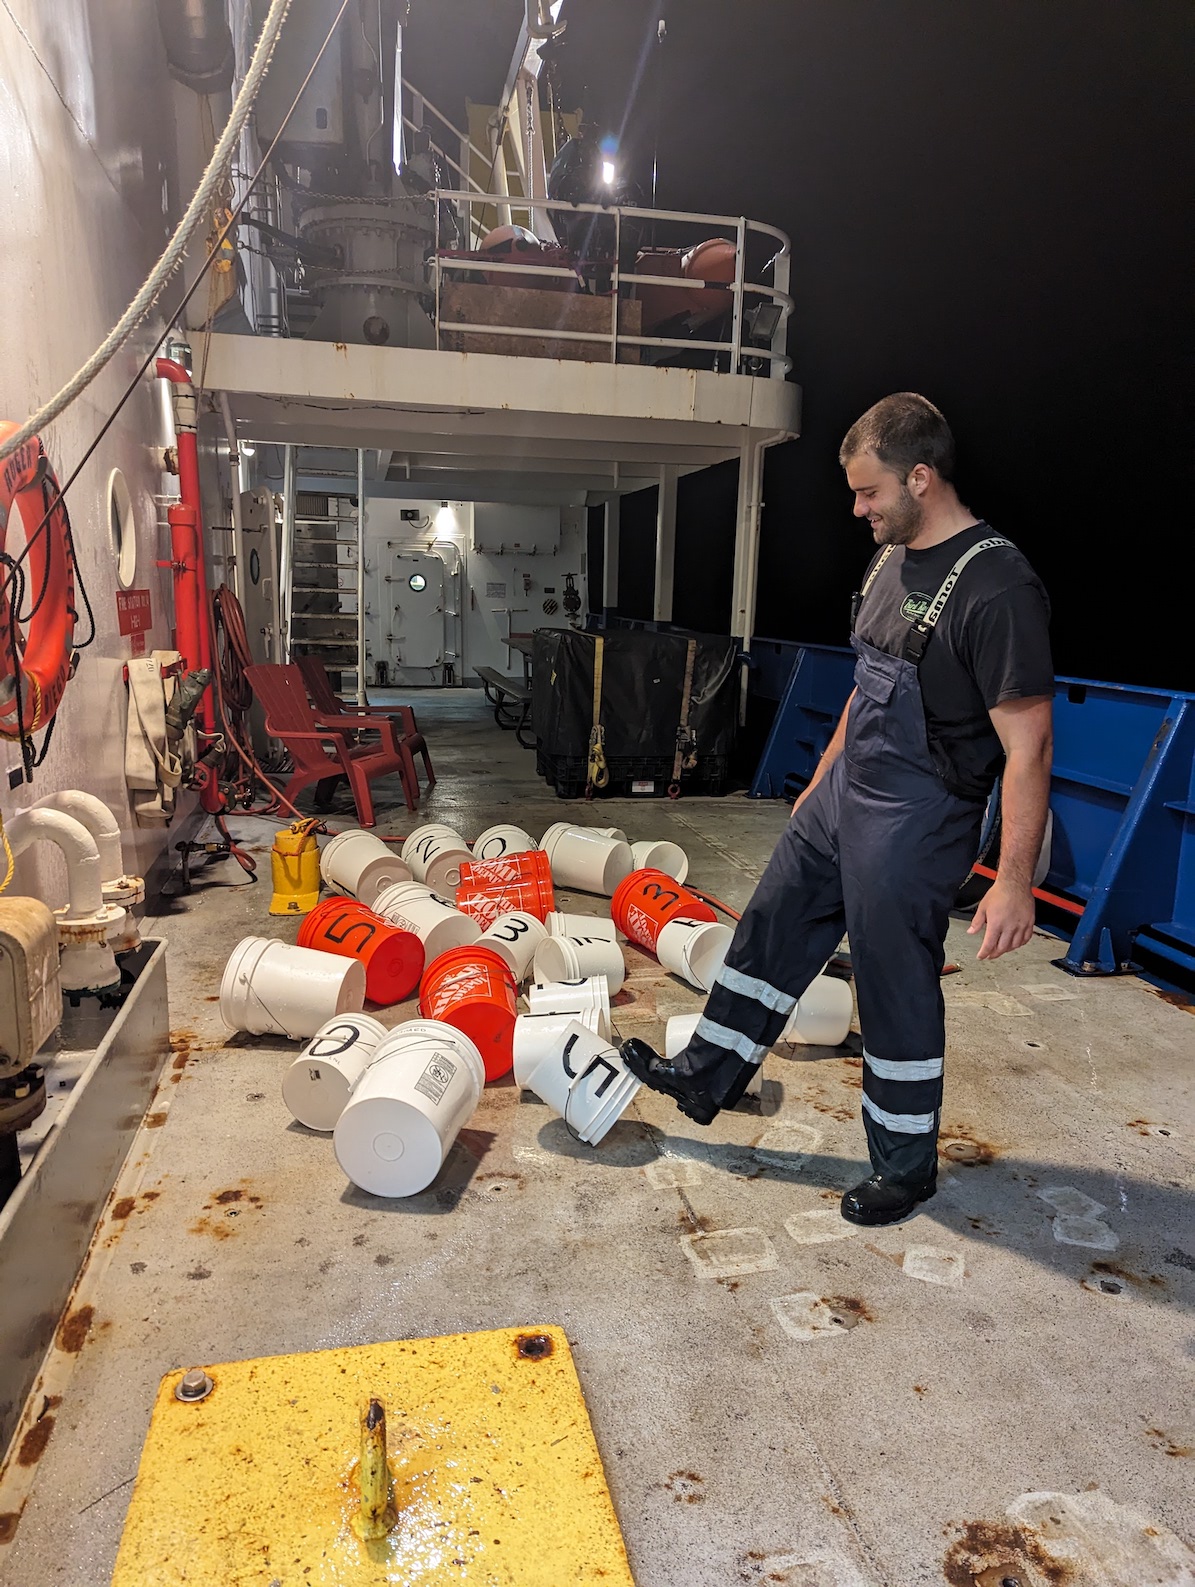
<point x="294" y="863"/>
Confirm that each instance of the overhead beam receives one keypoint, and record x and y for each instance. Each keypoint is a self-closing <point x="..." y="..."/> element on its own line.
<point x="516" y="492"/>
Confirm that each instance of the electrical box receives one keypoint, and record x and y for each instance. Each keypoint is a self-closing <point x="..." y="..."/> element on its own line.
<point x="30" y="992"/>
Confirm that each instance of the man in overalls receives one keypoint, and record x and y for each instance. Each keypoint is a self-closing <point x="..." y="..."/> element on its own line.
<point x="953" y="687"/>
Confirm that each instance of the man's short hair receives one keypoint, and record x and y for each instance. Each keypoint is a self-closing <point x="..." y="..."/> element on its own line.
<point x="902" y="431"/>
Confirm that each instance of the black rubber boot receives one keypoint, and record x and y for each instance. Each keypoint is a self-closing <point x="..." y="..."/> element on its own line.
<point x="659" y="1075"/>
<point x="879" y="1200"/>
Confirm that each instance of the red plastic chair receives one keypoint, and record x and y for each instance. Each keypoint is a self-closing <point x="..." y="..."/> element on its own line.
<point x="330" y="708"/>
<point x="321" y="754"/>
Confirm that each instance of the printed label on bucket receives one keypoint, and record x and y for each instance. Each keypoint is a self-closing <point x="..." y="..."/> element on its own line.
<point x="460" y="983"/>
<point x="436" y="1078"/>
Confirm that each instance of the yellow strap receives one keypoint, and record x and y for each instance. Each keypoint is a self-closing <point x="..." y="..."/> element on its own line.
<point x="7" y="855"/>
<point x="598" y="773"/>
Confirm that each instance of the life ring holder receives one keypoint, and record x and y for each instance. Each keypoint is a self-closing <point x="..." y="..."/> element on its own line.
<point x="45" y="654"/>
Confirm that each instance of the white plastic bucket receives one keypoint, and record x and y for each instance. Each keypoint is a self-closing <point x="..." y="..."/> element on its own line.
<point x="435" y="854"/>
<point x="678" y="1033"/>
<point x="571" y="997"/>
<point x="573" y="958"/>
<point x="822" y="1018"/>
<point x="610" y="832"/>
<point x="583" y="1079"/>
<point x="273" y="988"/>
<point x="360" y="863"/>
<point x="496" y="842"/>
<point x="536" y="1035"/>
<point x="562" y="925"/>
<point x="407" y="1108"/>
<point x="660" y="855"/>
<point x="694" y="950"/>
<point x="515" y="936"/>
<point x="316" y="1086"/>
<point x="427" y="830"/>
<point x="586" y="859"/>
<point x="438" y="924"/>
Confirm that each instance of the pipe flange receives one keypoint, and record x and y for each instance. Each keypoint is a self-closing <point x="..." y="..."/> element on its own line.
<point x="87" y="930"/>
<point x="125" y="891"/>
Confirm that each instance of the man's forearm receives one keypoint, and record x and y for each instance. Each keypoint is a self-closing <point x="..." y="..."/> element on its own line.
<point x="1024" y="800"/>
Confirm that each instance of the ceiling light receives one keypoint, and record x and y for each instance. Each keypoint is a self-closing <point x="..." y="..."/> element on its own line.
<point x="608" y="172"/>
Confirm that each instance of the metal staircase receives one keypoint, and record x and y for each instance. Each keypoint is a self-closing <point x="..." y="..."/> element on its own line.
<point x="323" y="573"/>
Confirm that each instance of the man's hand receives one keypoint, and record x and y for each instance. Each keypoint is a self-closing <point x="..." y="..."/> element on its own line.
<point x="1006" y="917"/>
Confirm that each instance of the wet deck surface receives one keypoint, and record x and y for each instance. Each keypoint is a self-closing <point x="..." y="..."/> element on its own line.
<point x="778" y="1398"/>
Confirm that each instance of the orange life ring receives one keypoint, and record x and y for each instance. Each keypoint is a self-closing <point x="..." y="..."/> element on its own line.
<point x="46" y="650"/>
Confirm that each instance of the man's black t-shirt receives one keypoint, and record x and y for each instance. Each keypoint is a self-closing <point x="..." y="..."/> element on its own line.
<point x="991" y="644"/>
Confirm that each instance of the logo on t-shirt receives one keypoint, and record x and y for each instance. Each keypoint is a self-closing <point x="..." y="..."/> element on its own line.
<point x="914" y="607"/>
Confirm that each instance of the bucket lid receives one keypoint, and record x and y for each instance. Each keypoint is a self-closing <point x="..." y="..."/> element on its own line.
<point x="393" y="966"/>
<point x="387" y="1147"/>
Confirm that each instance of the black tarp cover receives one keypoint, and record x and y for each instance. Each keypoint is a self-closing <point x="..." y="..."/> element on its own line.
<point x="642" y="686"/>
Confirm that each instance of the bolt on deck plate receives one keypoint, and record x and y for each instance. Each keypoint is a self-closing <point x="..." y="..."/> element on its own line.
<point x="496" y="1474"/>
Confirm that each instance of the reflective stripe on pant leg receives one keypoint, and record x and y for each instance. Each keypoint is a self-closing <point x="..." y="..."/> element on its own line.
<point x="905" y="1096"/>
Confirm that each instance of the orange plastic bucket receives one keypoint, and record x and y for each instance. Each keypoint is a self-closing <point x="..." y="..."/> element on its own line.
<point x="487" y="906"/>
<point x="490" y="888"/>
<point x="473" y="990"/>
<point x="392" y="958"/>
<point x="506" y="870"/>
<point x="645" y="903"/>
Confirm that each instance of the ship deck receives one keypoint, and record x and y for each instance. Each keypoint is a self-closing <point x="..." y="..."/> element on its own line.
<point x="972" y="1356"/>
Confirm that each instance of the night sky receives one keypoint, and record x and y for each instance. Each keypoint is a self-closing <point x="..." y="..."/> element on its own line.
<point x="990" y="202"/>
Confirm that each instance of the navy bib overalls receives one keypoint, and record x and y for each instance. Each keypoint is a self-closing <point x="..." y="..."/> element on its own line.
<point x="880" y="847"/>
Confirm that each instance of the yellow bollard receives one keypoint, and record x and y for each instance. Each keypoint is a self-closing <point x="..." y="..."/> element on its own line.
<point x="294" y="863"/>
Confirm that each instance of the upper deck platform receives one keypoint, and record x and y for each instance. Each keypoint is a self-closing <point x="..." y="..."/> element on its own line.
<point x="551" y="370"/>
<point x="466" y="422"/>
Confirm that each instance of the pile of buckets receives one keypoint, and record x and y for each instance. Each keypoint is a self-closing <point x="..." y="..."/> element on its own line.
<point x="466" y="926"/>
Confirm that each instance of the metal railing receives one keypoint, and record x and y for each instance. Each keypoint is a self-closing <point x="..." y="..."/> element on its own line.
<point x="738" y="350"/>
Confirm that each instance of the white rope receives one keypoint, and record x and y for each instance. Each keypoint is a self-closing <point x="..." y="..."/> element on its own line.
<point x="197" y="210"/>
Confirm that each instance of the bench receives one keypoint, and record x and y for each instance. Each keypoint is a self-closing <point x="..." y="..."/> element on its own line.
<point x="511" y="701"/>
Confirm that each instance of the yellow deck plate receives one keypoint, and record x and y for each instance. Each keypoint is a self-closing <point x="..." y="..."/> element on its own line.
<point x="497" y="1477"/>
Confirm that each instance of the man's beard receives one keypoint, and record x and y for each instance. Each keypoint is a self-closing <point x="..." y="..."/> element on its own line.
<point x="902" y="523"/>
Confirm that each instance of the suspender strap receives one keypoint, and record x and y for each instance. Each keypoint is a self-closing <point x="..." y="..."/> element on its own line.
<point x="861" y="595"/>
<point x="920" y="633"/>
